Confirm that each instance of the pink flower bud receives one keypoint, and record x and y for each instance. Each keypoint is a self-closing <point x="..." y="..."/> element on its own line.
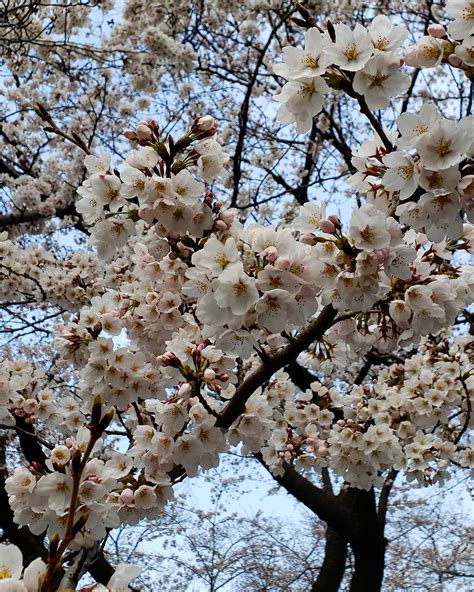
<point x="335" y="220"/>
<point x="126" y="497"/>
<point x="271" y="254"/>
<point x="169" y="359"/>
<point x="282" y="263"/>
<point x="143" y="131"/>
<point x="308" y="239"/>
<point x="130" y="134"/>
<point x="220" y="225"/>
<point x="206" y="123"/>
<point x="185" y="390"/>
<point x="228" y="218"/>
<point x="208" y="198"/>
<point x="209" y="375"/>
<point x="205" y="126"/>
<point x="327" y="226"/>
<point x="454" y="60"/>
<point x="437" y="31"/>
<point x="411" y="57"/>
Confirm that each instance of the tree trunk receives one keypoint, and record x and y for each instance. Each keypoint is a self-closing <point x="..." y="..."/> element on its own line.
<point x="334" y="564"/>
<point x="367" y="543"/>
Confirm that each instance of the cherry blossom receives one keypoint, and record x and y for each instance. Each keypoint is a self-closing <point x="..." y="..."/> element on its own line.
<point x="307" y="63"/>
<point x="301" y="100"/>
<point x="380" y="79"/>
<point x="351" y="49"/>
<point x="462" y="11"/>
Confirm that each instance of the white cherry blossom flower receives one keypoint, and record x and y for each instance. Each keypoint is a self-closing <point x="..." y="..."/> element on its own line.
<point x="402" y="174"/>
<point x="11" y="562"/>
<point x="400" y="313"/>
<point x="277" y="308"/>
<point x="145" y="497"/>
<point x="444" y="180"/>
<point x="307" y="63"/>
<point x="309" y="217"/>
<point x="235" y="290"/>
<point x="462" y="11"/>
<point x="300" y="101"/>
<point x="465" y="51"/>
<point x="145" y="157"/>
<point x="97" y="164"/>
<point x="427" y="53"/>
<point x="412" y="126"/>
<point x="385" y="36"/>
<point x="380" y="79"/>
<point x="57" y="487"/>
<point x="134" y="183"/>
<point x="368" y="229"/>
<point x="352" y="48"/>
<point x="217" y="256"/>
<point x="186" y="187"/>
<point x="398" y="262"/>
<point x="443" y="146"/>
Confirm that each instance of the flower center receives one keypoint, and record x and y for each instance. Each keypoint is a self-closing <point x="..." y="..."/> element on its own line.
<point x="406" y="172"/>
<point x="221" y="259"/>
<point x="350" y="51"/>
<point x="468" y="13"/>
<point x="421" y="129"/>
<point x="443" y="146"/>
<point x="381" y="42"/>
<point x="430" y="52"/>
<point x="310" y="61"/>
<point x="367" y="234"/>
<point x="240" y="289"/>
<point x="435" y="179"/>
<point x="5" y="572"/>
<point x="305" y="89"/>
<point x="377" y="79"/>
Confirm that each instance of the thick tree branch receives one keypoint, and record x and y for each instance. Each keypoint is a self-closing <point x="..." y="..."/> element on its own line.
<point x="315" y="330"/>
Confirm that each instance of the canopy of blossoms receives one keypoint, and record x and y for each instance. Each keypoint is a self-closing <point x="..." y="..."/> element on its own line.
<point x="185" y="322"/>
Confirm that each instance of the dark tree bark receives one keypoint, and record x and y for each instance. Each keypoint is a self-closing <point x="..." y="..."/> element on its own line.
<point x="334" y="564"/>
<point x="367" y="543"/>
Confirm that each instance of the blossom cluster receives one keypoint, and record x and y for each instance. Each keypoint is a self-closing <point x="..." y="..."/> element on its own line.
<point x="34" y="274"/>
<point x="430" y="184"/>
<point x="371" y="53"/>
<point x="399" y="421"/>
<point x="14" y="579"/>
<point x="365" y="62"/>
